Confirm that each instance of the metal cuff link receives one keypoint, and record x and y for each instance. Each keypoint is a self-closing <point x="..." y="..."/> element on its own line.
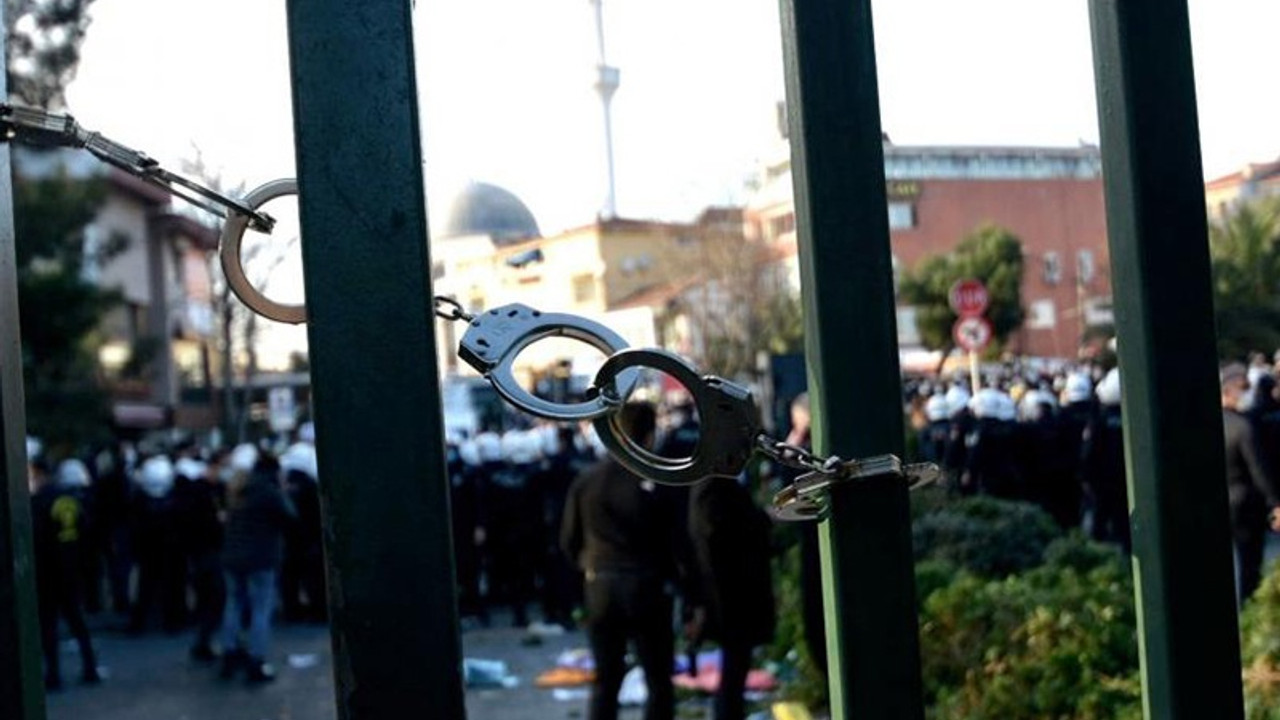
<point x="233" y="264"/>
<point x="494" y="339"/>
<point x="726" y="418"/>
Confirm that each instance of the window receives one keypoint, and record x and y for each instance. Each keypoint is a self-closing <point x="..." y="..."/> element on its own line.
<point x="902" y="216"/>
<point x="1043" y="315"/>
<point x="1097" y="311"/>
<point x="1084" y="267"/>
<point x="584" y="288"/>
<point x="1052" y="268"/>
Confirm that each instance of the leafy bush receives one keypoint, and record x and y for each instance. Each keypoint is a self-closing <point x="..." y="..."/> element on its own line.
<point x="801" y="679"/>
<point x="1260" y="650"/>
<point x="989" y="537"/>
<point x="1057" y="642"/>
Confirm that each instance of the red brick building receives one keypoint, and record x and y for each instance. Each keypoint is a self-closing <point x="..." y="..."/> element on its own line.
<point x="1050" y="198"/>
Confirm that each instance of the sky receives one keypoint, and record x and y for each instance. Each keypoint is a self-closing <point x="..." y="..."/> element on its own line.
<point x="506" y="91"/>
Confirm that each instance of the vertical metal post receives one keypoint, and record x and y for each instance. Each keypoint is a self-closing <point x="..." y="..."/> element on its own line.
<point x="1164" y="317"/>
<point x="21" y="691"/>
<point x="376" y="393"/>
<point x="837" y="161"/>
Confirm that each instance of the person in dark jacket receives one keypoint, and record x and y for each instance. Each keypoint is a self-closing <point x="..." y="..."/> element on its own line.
<point x="731" y="537"/>
<point x="1251" y="486"/>
<point x="302" y="572"/>
<point x="161" y="565"/>
<point x="562" y="584"/>
<point x="59" y="520"/>
<point x="199" y="499"/>
<point x="1102" y="466"/>
<point x="258" y="514"/>
<point x="621" y="530"/>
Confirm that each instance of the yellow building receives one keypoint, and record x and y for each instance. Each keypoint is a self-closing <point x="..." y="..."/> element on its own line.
<point x="491" y="253"/>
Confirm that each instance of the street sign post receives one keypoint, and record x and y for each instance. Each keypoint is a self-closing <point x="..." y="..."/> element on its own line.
<point x="969" y="298"/>
<point x="972" y="333"/>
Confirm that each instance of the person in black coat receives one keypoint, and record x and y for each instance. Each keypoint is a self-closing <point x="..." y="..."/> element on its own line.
<point x="621" y="531"/>
<point x="199" y="499"/>
<point x="1251" y="485"/>
<point x="59" y="523"/>
<point x="731" y="538"/>
<point x="1102" y="468"/>
<point x="258" y="515"/>
<point x="162" y="569"/>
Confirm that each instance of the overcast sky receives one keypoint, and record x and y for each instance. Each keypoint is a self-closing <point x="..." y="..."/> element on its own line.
<point x="507" y="96"/>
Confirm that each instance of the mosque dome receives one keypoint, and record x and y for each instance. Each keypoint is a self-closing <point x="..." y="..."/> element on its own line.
<point x="484" y="209"/>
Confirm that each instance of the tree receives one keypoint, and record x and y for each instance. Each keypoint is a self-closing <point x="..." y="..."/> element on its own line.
<point x="237" y="324"/>
<point x="990" y="254"/>
<point x="742" y="307"/>
<point x="60" y="311"/>
<point x="1245" y="247"/>
<point x="44" y="38"/>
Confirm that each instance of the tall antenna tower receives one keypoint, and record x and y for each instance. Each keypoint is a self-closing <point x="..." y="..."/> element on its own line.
<point x="606" y="85"/>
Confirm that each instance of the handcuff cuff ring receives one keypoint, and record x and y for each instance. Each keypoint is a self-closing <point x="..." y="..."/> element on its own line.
<point x="233" y="264"/>
<point x="726" y="417"/>
<point x="494" y="338"/>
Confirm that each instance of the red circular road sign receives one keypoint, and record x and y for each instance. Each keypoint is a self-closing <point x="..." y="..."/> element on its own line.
<point x="972" y="334"/>
<point x="968" y="298"/>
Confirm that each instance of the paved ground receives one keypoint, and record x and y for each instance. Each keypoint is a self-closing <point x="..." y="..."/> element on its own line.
<point x="151" y="678"/>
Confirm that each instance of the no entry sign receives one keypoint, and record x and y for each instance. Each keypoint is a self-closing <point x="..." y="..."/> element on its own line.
<point x="972" y="334"/>
<point x="968" y="298"/>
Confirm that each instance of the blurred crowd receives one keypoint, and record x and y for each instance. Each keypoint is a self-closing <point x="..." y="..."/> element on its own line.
<point x="551" y="533"/>
<point x="1055" y="438"/>
<point x="177" y="537"/>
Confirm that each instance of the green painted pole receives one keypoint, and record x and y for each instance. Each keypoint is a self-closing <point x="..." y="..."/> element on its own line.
<point x="21" y="689"/>
<point x="1164" y="317"/>
<point x="379" y="432"/>
<point x="855" y="385"/>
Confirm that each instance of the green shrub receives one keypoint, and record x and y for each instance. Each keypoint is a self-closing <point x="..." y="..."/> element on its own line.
<point x="1054" y="642"/>
<point x="989" y="537"/>
<point x="930" y="499"/>
<point x="931" y="576"/>
<point x="801" y="680"/>
<point x="1260" y="649"/>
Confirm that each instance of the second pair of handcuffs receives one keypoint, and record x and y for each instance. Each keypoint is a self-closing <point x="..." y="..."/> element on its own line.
<point x="729" y="424"/>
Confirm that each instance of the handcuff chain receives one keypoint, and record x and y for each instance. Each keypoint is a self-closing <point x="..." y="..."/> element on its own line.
<point x="449" y="309"/>
<point x="794" y="456"/>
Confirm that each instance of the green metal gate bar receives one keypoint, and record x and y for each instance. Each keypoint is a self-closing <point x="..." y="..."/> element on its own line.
<point x="21" y="691"/>
<point x="837" y="160"/>
<point x="1164" y="315"/>
<point x="376" y="399"/>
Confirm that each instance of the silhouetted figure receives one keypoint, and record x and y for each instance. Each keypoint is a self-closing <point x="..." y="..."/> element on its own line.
<point x="1251" y="486"/>
<point x="162" y="569"/>
<point x="1102" y="466"/>
<point x="59" y="521"/>
<point x="199" y="497"/>
<point x="620" y="529"/>
<point x="731" y="541"/>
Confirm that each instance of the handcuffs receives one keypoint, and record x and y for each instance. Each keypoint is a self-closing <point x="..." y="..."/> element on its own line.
<point x="729" y="419"/>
